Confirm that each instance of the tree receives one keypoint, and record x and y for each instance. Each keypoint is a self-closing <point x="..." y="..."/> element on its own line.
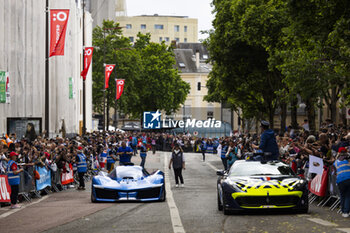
<point x="241" y="73"/>
<point x="151" y="81"/>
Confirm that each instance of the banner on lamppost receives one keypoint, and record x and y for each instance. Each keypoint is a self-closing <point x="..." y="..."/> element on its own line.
<point x="87" y="60"/>
<point x="2" y="87"/>
<point x="71" y="88"/>
<point x="108" y="71"/>
<point x="120" y="88"/>
<point x="58" y="27"/>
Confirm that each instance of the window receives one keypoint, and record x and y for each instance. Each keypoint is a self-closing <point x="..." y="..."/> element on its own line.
<point x="176" y="28"/>
<point x="182" y="65"/>
<point x="210" y="115"/>
<point x="167" y="39"/>
<point x="131" y="38"/>
<point x="199" y="85"/>
<point x="185" y="40"/>
<point x="159" y="26"/>
<point x="128" y="26"/>
<point x="160" y="39"/>
<point x="143" y="26"/>
<point x="177" y="39"/>
<point x="185" y="28"/>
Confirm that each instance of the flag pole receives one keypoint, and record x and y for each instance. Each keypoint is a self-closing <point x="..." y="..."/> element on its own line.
<point x="84" y="83"/>
<point x="47" y="103"/>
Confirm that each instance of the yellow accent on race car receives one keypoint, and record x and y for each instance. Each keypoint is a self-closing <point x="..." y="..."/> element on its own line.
<point x="266" y="193"/>
<point x="266" y="188"/>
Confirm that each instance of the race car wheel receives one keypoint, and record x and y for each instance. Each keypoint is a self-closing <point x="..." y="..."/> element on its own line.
<point x="93" y="199"/>
<point x="219" y="202"/>
<point x="226" y="211"/>
<point x="163" y="196"/>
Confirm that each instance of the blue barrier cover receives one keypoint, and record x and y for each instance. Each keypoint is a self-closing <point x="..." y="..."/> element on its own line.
<point x="45" y="178"/>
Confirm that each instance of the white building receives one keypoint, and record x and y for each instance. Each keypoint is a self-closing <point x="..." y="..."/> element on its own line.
<point x="22" y="49"/>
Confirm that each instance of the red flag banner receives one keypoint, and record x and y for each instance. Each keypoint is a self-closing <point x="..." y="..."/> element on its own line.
<point x="319" y="184"/>
<point x="108" y="71"/>
<point x="120" y="88"/>
<point x="67" y="176"/>
<point x="5" y="189"/>
<point x="87" y="60"/>
<point x="58" y="27"/>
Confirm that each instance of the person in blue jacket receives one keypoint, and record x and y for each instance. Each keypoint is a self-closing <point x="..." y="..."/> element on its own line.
<point x="342" y="164"/>
<point x="14" y="179"/>
<point x="203" y="148"/>
<point x="124" y="153"/>
<point x="268" y="143"/>
<point x="224" y="149"/>
<point x="81" y="167"/>
<point x="143" y="154"/>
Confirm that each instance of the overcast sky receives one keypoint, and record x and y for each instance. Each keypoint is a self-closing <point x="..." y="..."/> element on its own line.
<point x="199" y="9"/>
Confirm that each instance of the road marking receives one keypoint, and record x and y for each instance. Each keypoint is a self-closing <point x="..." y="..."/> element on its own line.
<point x="211" y="166"/>
<point x="347" y="230"/>
<point x="322" y="222"/>
<point x="12" y="211"/>
<point x="174" y="212"/>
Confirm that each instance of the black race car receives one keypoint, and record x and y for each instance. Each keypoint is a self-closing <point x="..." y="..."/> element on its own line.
<point x="254" y="185"/>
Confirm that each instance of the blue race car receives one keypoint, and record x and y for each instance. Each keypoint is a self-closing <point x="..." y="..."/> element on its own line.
<point x="128" y="183"/>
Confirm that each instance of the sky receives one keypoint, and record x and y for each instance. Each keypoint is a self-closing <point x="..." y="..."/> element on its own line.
<point x="199" y="9"/>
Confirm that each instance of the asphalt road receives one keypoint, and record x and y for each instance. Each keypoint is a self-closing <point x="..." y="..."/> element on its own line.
<point x="189" y="209"/>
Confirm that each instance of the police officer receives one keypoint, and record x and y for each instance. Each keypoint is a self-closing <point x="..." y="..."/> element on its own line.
<point x="224" y="148"/>
<point x="268" y="142"/>
<point x="125" y="154"/>
<point x="203" y="148"/>
<point x="143" y="154"/>
<point x="110" y="158"/>
<point x="342" y="164"/>
<point x="14" y="179"/>
<point x="81" y="167"/>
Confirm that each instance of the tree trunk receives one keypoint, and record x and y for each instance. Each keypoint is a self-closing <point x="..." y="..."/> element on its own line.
<point x="257" y="126"/>
<point x="294" y="113"/>
<point x="333" y="105"/>
<point x="271" y="117"/>
<point x="311" y="115"/>
<point x="283" y="117"/>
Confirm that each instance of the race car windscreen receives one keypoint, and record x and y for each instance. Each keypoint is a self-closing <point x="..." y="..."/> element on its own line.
<point x="260" y="169"/>
<point x="129" y="172"/>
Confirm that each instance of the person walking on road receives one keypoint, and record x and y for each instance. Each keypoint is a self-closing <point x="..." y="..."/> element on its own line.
<point x="125" y="154"/>
<point x="178" y="162"/>
<point x="14" y="179"/>
<point x="224" y="149"/>
<point x="81" y="167"/>
<point x="203" y="148"/>
<point x="342" y="164"/>
<point x="143" y="154"/>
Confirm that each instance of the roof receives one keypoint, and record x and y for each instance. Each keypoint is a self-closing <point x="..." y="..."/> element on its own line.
<point x="195" y="47"/>
<point x="156" y="15"/>
<point x="186" y="62"/>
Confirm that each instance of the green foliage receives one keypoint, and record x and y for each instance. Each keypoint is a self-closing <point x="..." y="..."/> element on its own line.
<point x="151" y="81"/>
<point x="265" y="52"/>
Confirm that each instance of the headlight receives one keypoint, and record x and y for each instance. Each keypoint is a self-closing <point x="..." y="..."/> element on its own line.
<point x="234" y="186"/>
<point x="299" y="185"/>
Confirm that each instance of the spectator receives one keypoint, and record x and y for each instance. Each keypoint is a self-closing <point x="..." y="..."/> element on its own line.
<point x="178" y="162"/>
<point x="342" y="164"/>
<point x="14" y="179"/>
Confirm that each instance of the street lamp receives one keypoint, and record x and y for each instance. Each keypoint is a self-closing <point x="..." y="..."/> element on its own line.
<point x="104" y="90"/>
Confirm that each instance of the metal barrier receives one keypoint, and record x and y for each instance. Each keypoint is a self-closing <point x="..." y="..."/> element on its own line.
<point x="56" y="180"/>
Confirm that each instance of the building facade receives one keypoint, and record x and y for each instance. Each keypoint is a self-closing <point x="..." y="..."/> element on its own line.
<point x="22" y="45"/>
<point x="162" y="28"/>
